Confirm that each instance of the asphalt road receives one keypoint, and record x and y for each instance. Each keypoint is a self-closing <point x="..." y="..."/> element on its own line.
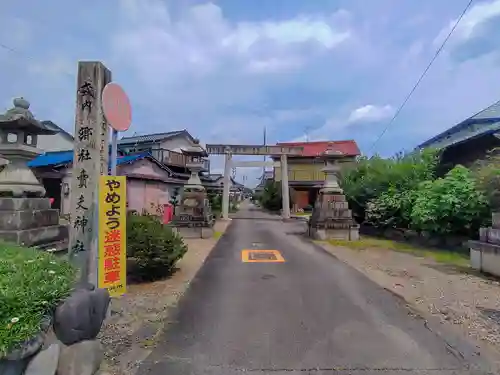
<point x="311" y="314"/>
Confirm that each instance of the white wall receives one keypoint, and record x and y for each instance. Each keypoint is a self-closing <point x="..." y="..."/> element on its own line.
<point x="55" y="142"/>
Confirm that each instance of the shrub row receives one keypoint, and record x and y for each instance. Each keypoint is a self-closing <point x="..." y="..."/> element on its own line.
<point x="404" y="192"/>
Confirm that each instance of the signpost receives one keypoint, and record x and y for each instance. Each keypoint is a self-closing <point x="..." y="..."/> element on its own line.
<point x="119" y="115"/>
<point x="112" y="270"/>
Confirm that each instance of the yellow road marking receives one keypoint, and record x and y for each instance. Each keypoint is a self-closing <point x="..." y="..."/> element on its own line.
<point x="261" y="256"/>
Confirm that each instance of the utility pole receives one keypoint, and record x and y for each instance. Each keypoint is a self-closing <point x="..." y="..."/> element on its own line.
<point x="264" y="167"/>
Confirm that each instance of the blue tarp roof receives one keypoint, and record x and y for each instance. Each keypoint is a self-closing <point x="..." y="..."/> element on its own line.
<point x="65" y="157"/>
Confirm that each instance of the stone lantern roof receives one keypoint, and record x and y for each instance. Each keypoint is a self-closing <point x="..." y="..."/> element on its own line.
<point x="20" y="118"/>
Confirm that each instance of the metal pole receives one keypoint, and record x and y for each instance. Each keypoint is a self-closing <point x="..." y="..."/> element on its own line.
<point x="114" y="151"/>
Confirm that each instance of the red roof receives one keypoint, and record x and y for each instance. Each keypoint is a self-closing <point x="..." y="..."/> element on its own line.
<point x="348" y="148"/>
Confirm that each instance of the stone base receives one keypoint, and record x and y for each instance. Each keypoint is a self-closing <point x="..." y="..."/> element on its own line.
<point x="195" y="232"/>
<point x="18" y="204"/>
<point x="31" y="222"/>
<point x="28" y="219"/>
<point x="350" y="234"/>
<point x="485" y="257"/>
<point x="35" y="236"/>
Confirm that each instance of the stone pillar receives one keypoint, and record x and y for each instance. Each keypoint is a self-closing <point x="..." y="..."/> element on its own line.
<point x="227" y="183"/>
<point x="90" y="161"/>
<point x="285" y="190"/>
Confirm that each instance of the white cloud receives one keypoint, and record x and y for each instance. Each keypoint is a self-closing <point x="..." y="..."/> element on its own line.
<point x="201" y="40"/>
<point x="371" y="113"/>
<point x="471" y="22"/>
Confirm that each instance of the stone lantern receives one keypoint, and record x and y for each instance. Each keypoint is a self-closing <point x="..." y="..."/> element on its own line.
<point x="18" y="139"/>
<point x="331" y="217"/>
<point x="331" y="170"/>
<point x="193" y="217"/>
<point x="196" y="155"/>
<point x="26" y="217"/>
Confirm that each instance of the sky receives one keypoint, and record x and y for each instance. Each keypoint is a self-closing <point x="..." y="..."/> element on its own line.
<point x="226" y="69"/>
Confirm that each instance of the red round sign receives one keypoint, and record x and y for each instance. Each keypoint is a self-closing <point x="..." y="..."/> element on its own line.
<point x="116" y="107"/>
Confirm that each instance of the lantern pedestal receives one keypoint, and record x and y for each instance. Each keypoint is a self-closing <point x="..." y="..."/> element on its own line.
<point x="31" y="222"/>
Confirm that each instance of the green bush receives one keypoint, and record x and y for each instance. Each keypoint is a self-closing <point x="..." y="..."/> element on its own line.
<point x="152" y="247"/>
<point x="392" y="209"/>
<point x="450" y="205"/>
<point x="32" y="283"/>
<point x="215" y="201"/>
<point x="487" y="174"/>
<point x="368" y="178"/>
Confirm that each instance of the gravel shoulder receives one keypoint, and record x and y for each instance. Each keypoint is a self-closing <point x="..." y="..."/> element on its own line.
<point x="456" y="295"/>
<point x="137" y="318"/>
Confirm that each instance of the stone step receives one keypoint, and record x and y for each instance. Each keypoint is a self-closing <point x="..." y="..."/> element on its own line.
<point x="26" y="219"/>
<point x="36" y="236"/>
<point x="18" y="204"/>
<point x="332" y="198"/>
<point x="55" y="246"/>
<point x="337" y="213"/>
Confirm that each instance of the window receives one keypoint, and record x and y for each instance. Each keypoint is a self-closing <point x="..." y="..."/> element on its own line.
<point x="11" y="138"/>
<point x="28" y="139"/>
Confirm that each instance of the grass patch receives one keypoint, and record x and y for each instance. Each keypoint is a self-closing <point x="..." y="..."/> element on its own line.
<point x="302" y="214"/>
<point x="441" y="256"/>
<point x="32" y="283"/>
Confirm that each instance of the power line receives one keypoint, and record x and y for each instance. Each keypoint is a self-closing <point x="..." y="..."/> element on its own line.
<point x="423" y="74"/>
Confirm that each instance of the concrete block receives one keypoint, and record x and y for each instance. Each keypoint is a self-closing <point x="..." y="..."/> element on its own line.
<point x="18" y="204"/>
<point x="495" y="219"/>
<point x="36" y="236"/>
<point x="27" y="219"/>
<point x="207" y="232"/>
<point x="492" y="235"/>
<point x="475" y="259"/>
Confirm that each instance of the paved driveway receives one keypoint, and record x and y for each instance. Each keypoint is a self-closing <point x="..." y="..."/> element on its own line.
<point x="295" y="311"/>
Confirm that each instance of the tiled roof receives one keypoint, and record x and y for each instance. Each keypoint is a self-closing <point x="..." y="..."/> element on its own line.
<point x="484" y="122"/>
<point x="348" y="148"/>
<point x="51" y="125"/>
<point x="150" y="137"/>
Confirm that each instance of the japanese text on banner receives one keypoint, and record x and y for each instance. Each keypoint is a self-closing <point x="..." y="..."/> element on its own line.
<point x="112" y="234"/>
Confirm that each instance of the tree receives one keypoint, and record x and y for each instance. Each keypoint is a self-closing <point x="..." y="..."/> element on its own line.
<point x="369" y="178"/>
<point x="271" y="196"/>
<point x="450" y="205"/>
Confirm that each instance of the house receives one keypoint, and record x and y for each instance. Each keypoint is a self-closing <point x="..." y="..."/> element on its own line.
<point x="468" y="141"/>
<point x="266" y="176"/>
<point x="305" y="175"/>
<point x="216" y="184"/>
<point x="150" y="183"/>
<point x="165" y="147"/>
<point x="60" y="141"/>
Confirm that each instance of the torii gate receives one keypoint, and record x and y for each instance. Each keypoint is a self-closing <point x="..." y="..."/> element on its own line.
<point x="257" y="150"/>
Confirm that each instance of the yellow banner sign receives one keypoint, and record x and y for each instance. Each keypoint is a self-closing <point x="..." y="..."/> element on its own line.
<point x="113" y="234"/>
